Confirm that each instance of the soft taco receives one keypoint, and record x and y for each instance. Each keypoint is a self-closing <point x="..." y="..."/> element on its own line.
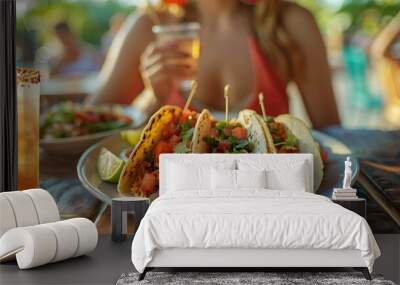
<point x="288" y="134"/>
<point x="242" y="135"/>
<point x="169" y="130"/>
<point x="305" y="143"/>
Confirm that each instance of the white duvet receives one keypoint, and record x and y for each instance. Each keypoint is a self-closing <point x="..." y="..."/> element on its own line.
<point x="254" y="218"/>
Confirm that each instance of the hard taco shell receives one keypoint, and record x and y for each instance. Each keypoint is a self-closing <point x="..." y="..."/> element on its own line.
<point x="307" y="144"/>
<point x="151" y="135"/>
<point x="259" y="136"/>
<point x="201" y="130"/>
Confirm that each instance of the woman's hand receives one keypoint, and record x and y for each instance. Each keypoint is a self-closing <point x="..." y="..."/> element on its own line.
<point x="163" y="66"/>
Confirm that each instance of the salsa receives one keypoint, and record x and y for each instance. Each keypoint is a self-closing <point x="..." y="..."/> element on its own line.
<point x="228" y="137"/>
<point x="284" y="141"/>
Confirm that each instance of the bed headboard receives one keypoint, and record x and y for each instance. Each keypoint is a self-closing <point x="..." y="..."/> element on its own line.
<point x="212" y="159"/>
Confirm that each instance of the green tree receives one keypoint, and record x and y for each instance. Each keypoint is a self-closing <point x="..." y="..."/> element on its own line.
<point x="88" y="18"/>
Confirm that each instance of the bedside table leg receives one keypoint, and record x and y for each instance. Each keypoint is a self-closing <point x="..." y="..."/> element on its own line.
<point x="116" y="222"/>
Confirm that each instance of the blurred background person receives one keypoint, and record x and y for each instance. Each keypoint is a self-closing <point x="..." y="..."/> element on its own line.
<point x="255" y="46"/>
<point x="74" y="58"/>
<point x="357" y="62"/>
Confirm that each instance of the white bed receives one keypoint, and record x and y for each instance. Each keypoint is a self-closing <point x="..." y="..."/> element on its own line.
<point x="248" y="227"/>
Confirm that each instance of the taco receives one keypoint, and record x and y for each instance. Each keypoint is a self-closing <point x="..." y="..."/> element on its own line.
<point x="291" y="135"/>
<point x="305" y="143"/>
<point x="242" y="135"/>
<point x="169" y="130"/>
<point x="257" y="130"/>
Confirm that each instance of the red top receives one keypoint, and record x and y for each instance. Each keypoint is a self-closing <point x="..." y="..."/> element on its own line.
<point x="267" y="81"/>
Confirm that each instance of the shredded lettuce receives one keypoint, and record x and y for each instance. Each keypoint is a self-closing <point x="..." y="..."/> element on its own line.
<point x="186" y="136"/>
<point x="181" y="147"/>
<point x="291" y="140"/>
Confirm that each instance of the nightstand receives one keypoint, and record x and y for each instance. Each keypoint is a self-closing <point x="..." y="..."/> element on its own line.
<point x="357" y="205"/>
<point x="120" y="207"/>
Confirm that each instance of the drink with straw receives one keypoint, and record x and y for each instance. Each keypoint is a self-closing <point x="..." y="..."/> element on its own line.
<point x="28" y="92"/>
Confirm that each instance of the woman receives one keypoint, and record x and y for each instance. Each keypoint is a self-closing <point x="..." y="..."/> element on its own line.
<point x="253" y="45"/>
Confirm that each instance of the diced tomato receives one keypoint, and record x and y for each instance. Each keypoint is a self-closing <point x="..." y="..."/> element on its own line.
<point x="181" y="3"/>
<point x="174" y="139"/>
<point x="186" y="116"/>
<point x="240" y="133"/>
<point x="227" y="132"/>
<point x="163" y="147"/>
<point x="170" y="130"/>
<point x="107" y="117"/>
<point x="123" y="118"/>
<point x="288" y="149"/>
<point x="149" y="183"/>
<point x="223" y="146"/>
<point x="324" y="154"/>
<point x="87" y="117"/>
<point x="193" y="121"/>
<point x="213" y="133"/>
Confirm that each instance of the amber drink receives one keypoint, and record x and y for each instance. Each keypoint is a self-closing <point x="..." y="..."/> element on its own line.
<point x="185" y="35"/>
<point x="28" y="92"/>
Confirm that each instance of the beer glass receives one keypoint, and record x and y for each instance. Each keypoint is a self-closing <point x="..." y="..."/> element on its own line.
<point x="28" y="92"/>
<point x="186" y="35"/>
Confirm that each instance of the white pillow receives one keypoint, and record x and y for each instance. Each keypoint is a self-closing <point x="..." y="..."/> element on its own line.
<point x="282" y="173"/>
<point x="292" y="179"/>
<point x="251" y="178"/>
<point x="223" y="179"/>
<point x="183" y="177"/>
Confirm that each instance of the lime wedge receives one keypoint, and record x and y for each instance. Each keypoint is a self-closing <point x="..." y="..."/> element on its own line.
<point x="109" y="166"/>
<point x="132" y="137"/>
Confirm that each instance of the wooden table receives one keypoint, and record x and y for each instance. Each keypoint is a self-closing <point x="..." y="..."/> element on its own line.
<point x="58" y="175"/>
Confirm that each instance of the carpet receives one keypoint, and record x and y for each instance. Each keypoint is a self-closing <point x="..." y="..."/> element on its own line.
<point x="243" y="278"/>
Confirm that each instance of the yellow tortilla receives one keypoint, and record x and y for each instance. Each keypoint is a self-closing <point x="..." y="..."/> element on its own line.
<point x="151" y="135"/>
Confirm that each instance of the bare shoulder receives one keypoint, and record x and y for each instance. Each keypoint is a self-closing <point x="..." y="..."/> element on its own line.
<point x="140" y="23"/>
<point x="298" y="19"/>
<point x="301" y="25"/>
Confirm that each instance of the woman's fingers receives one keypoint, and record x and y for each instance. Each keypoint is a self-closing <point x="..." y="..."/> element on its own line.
<point x="164" y="48"/>
<point x="163" y="66"/>
<point x="171" y="69"/>
<point x="166" y="58"/>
